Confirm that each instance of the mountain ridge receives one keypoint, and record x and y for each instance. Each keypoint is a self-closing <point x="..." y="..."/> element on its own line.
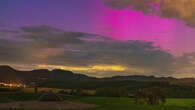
<point x="9" y="74"/>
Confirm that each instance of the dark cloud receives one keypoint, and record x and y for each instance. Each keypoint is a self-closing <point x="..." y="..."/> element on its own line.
<point x="39" y="29"/>
<point x="2" y="24"/>
<point x="180" y="9"/>
<point x="51" y="46"/>
<point x="184" y="65"/>
<point x="8" y="31"/>
<point x="12" y="51"/>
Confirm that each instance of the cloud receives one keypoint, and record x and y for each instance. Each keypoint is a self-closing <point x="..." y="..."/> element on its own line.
<point x="2" y="24"/>
<point x="180" y="9"/>
<point x="83" y="52"/>
<point x="185" y="65"/>
<point x="8" y="31"/>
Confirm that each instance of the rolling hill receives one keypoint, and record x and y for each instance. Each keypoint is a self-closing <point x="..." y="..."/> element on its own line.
<point x="68" y="79"/>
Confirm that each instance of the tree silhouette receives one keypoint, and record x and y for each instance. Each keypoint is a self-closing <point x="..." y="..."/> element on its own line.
<point x="152" y="97"/>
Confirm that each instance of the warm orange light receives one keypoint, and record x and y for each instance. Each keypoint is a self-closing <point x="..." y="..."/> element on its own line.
<point x="87" y="68"/>
<point x="13" y="85"/>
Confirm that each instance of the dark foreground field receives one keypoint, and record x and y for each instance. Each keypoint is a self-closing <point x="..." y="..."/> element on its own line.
<point x="103" y="103"/>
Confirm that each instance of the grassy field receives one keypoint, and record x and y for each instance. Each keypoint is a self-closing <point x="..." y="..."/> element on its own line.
<point x="127" y="104"/>
<point x="105" y="103"/>
<point x="55" y="90"/>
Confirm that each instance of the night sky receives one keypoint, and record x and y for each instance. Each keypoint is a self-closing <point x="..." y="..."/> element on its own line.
<point x="100" y="37"/>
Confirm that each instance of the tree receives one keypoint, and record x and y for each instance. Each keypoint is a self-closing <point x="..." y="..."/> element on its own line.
<point x="152" y="97"/>
<point x="38" y="82"/>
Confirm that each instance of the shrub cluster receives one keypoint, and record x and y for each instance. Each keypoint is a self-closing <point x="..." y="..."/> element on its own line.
<point x="152" y="97"/>
<point x="50" y="96"/>
<point x="112" y="92"/>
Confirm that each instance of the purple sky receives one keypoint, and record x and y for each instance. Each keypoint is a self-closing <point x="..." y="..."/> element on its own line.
<point x="39" y="45"/>
<point x="92" y="16"/>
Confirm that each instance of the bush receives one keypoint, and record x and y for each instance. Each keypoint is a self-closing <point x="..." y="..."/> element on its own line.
<point x="64" y="92"/>
<point x="79" y="92"/>
<point x="49" y="96"/>
<point x="5" y="89"/>
<point x="112" y="92"/>
<point x="152" y="97"/>
<point x="5" y="100"/>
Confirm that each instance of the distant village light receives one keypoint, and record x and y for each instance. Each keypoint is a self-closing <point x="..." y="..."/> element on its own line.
<point x="13" y="85"/>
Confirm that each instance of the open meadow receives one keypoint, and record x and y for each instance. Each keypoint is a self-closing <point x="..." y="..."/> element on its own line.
<point x="102" y="103"/>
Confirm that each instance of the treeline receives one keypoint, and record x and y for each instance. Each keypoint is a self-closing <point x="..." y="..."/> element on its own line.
<point x="102" y="92"/>
<point x="124" y="92"/>
<point x="122" y="88"/>
<point x="104" y="84"/>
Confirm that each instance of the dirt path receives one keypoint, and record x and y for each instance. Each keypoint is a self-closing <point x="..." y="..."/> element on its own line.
<point x="47" y="105"/>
